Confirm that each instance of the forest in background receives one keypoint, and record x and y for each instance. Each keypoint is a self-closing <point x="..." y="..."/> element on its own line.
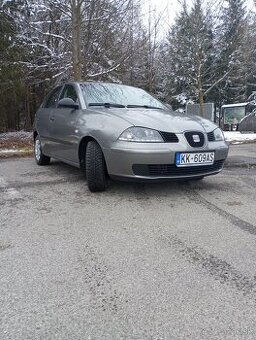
<point x="207" y="54"/>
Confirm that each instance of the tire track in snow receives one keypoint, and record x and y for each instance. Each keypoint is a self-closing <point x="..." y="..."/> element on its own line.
<point x="196" y="197"/>
<point x="219" y="269"/>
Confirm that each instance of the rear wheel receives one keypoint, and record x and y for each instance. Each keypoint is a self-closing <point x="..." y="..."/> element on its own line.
<point x="95" y="167"/>
<point x="40" y="158"/>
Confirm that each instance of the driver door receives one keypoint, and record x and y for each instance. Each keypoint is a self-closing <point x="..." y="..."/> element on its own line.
<point x="65" y="127"/>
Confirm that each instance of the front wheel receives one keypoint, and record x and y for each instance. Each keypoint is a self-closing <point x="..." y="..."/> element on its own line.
<point x="95" y="167"/>
<point x="40" y="158"/>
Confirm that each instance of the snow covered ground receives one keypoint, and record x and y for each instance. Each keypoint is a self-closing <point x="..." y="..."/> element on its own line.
<point x="236" y="137"/>
<point x="10" y="151"/>
<point x="16" y="135"/>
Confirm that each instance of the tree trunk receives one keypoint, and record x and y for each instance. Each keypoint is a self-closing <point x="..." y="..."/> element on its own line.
<point x="76" y="40"/>
<point x="200" y="97"/>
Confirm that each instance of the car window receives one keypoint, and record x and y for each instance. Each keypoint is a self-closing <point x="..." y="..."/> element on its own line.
<point x="69" y="92"/>
<point x="52" y="100"/>
<point x="118" y="94"/>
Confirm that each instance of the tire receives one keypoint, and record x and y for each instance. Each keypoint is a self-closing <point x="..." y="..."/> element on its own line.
<point x="40" y="158"/>
<point x="95" y="168"/>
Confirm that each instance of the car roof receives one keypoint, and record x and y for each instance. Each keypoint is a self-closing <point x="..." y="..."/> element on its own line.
<point x="93" y="82"/>
<point x="235" y="105"/>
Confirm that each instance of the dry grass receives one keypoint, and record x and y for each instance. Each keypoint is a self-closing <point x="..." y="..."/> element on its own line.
<point x="15" y="143"/>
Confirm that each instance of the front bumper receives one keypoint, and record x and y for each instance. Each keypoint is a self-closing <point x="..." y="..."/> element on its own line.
<point x="156" y="161"/>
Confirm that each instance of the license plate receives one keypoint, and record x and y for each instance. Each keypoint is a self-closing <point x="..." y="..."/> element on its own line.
<point x="195" y="158"/>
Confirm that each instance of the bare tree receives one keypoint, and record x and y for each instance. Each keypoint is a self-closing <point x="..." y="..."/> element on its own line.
<point x="70" y="38"/>
<point x="64" y="39"/>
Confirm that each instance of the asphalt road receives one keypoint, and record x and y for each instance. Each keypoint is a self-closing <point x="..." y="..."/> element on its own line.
<point x="242" y="155"/>
<point x="157" y="261"/>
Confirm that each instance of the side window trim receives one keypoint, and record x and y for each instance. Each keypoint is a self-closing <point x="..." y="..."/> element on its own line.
<point x="57" y="89"/>
<point x="74" y="89"/>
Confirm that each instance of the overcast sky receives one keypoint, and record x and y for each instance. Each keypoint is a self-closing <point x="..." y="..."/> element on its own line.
<point x="169" y="8"/>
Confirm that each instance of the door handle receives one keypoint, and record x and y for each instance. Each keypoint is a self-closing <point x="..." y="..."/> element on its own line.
<point x="52" y="119"/>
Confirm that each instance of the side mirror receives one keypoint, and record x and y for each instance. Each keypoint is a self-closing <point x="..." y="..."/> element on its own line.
<point x="68" y="103"/>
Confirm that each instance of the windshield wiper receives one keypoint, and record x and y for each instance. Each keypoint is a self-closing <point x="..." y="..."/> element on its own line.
<point x="108" y="105"/>
<point x="144" y="106"/>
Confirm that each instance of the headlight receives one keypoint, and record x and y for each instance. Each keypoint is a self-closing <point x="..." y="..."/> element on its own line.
<point x="140" y="134"/>
<point x="218" y="135"/>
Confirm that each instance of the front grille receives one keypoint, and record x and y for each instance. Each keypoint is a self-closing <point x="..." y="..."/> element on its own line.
<point x="163" y="170"/>
<point x="169" y="137"/>
<point x="191" y="138"/>
<point x="210" y="136"/>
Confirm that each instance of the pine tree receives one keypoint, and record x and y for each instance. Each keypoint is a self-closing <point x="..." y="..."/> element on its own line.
<point x="248" y="57"/>
<point x="229" y="57"/>
<point x="190" y="52"/>
<point x="12" y="88"/>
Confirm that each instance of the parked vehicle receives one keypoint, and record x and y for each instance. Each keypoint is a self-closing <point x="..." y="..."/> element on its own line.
<point x="248" y="123"/>
<point x="231" y="114"/>
<point x="125" y="133"/>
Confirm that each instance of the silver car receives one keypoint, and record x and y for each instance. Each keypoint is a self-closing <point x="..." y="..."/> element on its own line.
<point x="122" y="132"/>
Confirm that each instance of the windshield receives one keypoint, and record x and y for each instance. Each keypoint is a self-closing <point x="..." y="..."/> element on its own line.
<point x="118" y="95"/>
<point x="233" y="115"/>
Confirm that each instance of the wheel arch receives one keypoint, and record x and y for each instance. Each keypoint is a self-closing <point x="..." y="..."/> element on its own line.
<point x="35" y="134"/>
<point x="82" y="149"/>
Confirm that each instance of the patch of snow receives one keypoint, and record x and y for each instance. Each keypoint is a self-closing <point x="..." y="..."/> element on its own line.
<point x="236" y="137"/>
<point x="235" y="105"/>
<point x="8" y="151"/>
<point x="16" y="135"/>
<point x="183" y="99"/>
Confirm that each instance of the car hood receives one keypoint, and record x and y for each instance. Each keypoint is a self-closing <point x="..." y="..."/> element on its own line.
<point x="163" y="120"/>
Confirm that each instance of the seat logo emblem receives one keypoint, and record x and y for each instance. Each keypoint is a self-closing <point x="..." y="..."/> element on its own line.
<point x="196" y="138"/>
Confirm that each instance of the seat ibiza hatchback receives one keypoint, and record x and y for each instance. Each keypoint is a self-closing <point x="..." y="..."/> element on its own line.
<point x="123" y="132"/>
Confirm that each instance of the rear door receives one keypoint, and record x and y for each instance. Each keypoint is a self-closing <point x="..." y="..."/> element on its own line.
<point x="64" y="129"/>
